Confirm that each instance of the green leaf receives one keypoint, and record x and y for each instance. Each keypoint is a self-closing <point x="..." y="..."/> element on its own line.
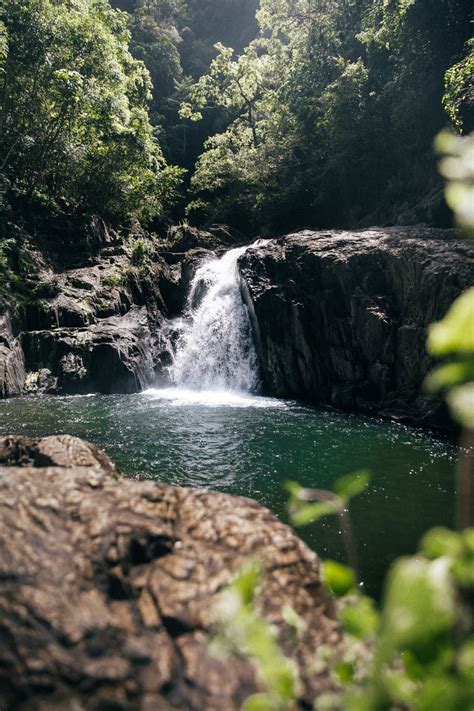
<point x="446" y="376"/>
<point x="455" y="333"/>
<point x="280" y="678"/>
<point x="468" y="539"/>
<point x="420" y="606"/>
<point x="364" y="701"/>
<point x="260" y="702"/>
<point x="247" y="582"/>
<point x="345" y="672"/>
<point x="309" y="513"/>
<point x="294" y="620"/>
<point x="360" y="619"/>
<point x="463" y="571"/>
<point x="441" y="542"/>
<point x="243" y="631"/>
<point x="440" y="694"/>
<point x="461" y="403"/>
<point x="293" y="488"/>
<point x="347" y="487"/>
<point x="466" y="660"/>
<point x="338" y="578"/>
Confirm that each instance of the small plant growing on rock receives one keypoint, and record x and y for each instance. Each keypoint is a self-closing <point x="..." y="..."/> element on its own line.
<point x="139" y="252"/>
<point x="114" y="279"/>
<point x="243" y="631"/>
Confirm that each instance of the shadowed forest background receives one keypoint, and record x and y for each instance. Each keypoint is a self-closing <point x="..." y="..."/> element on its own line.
<point x="304" y="114"/>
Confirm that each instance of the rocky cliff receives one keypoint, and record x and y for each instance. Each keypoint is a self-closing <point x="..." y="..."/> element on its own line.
<point x="84" y="309"/>
<point x="340" y="318"/>
<point x="108" y="587"/>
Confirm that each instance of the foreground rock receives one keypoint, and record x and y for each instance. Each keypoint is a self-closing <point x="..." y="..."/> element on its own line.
<point x="340" y="318"/>
<point x="107" y="587"/>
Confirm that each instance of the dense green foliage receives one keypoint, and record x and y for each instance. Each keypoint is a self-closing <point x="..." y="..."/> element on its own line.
<point x="333" y="110"/>
<point x="416" y="653"/>
<point x="175" y="39"/>
<point x="74" y="124"/>
<point x="453" y="338"/>
<point x="315" y="113"/>
<point x="459" y="98"/>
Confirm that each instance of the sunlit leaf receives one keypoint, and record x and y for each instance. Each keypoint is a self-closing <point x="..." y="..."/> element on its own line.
<point x="364" y="701"/>
<point x="455" y="333"/>
<point x="450" y="374"/>
<point x="466" y="660"/>
<point x="461" y="403"/>
<point x="440" y="694"/>
<point x="419" y="605"/>
<point x="441" y="542"/>
<point x="345" y="671"/>
<point x="293" y="488"/>
<point x="260" y="702"/>
<point x="242" y="630"/>
<point x="247" y="581"/>
<point x="338" y="578"/>
<point x="280" y="678"/>
<point x="309" y="513"/>
<point x="347" y="487"/>
<point x="360" y="619"/>
<point x="468" y="539"/>
<point x="294" y="620"/>
<point x="463" y="571"/>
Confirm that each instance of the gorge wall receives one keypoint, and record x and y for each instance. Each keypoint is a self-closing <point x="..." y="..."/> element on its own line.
<point x="89" y="313"/>
<point x="340" y="318"/>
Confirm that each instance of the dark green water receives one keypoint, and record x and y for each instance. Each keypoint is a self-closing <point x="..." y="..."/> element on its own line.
<point x="250" y="446"/>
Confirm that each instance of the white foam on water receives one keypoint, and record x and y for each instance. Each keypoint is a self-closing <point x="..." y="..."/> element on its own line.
<point x="179" y="397"/>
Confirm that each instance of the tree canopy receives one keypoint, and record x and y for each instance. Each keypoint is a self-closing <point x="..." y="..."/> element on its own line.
<point x="74" y="123"/>
<point x="283" y="113"/>
<point x="332" y="110"/>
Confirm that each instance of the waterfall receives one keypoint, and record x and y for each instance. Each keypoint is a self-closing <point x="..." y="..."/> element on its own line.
<point x="215" y="349"/>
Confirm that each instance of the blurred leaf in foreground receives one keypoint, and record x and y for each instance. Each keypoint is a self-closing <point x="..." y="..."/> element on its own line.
<point x="241" y="630"/>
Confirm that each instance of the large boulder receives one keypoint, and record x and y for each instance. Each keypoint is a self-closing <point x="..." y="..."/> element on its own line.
<point x="108" y="587"/>
<point x="341" y="318"/>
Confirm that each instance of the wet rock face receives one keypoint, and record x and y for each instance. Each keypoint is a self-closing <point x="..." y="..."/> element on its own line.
<point x="340" y="318"/>
<point x="93" y="324"/>
<point x="114" y="355"/>
<point x="12" y="362"/>
<point x="107" y="587"/>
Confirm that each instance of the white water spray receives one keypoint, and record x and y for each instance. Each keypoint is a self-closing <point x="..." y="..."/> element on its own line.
<point x="215" y="350"/>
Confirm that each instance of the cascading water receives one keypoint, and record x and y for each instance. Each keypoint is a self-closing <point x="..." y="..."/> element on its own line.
<point x="215" y="349"/>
